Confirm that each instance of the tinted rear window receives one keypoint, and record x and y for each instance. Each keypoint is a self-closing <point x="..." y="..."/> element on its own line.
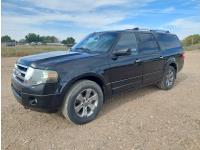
<point x="168" y="41"/>
<point x="147" y="43"/>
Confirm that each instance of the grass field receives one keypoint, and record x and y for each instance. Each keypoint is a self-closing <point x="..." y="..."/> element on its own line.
<point x="22" y="50"/>
<point x="193" y="47"/>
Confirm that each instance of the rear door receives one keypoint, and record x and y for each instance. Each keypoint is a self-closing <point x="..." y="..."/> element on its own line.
<point x="171" y="48"/>
<point x="152" y="61"/>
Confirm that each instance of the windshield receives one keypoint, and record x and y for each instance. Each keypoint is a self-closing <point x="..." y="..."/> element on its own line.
<point x="96" y="42"/>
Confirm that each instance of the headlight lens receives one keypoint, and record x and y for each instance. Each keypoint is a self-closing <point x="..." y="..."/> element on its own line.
<point x="37" y="76"/>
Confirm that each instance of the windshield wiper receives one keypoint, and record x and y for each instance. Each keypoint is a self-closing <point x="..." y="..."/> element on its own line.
<point x="84" y="49"/>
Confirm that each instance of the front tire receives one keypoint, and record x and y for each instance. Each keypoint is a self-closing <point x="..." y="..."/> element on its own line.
<point x="83" y="102"/>
<point x="168" y="79"/>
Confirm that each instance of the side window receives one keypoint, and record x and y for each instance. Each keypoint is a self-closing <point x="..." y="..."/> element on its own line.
<point x="127" y="40"/>
<point x="168" y="41"/>
<point x="147" y="43"/>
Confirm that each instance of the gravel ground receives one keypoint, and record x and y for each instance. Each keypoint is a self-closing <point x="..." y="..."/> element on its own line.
<point x="148" y="118"/>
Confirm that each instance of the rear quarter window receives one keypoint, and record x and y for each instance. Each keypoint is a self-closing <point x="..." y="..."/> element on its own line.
<point x="168" y="41"/>
<point x="147" y="43"/>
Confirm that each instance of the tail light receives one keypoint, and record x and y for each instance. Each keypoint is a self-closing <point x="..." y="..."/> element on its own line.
<point x="183" y="56"/>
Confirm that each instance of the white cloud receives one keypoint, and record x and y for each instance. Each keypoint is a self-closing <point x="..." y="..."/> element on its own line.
<point x="19" y="26"/>
<point x="168" y="10"/>
<point x="76" y="5"/>
<point x="87" y="15"/>
<point x="81" y="14"/>
<point x="110" y="2"/>
<point x="85" y="5"/>
<point x="184" y="26"/>
<point x="18" y="31"/>
<point x="83" y="19"/>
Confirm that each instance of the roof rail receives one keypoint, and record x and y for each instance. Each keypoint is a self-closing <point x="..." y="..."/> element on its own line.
<point x="140" y="29"/>
<point x="151" y="30"/>
<point x="164" y="31"/>
<point x="136" y="28"/>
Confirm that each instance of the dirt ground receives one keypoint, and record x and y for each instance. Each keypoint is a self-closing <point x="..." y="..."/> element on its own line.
<point x="145" y="119"/>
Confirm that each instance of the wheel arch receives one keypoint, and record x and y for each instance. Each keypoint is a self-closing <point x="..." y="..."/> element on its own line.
<point x="172" y="62"/>
<point x="88" y="76"/>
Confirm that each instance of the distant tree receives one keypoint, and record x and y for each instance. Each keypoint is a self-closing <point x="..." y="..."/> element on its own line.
<point x="32" y="37"/>
<point x="191" y="40"/>
<point x="54" y="39"/>
<point x="70" y="41"/>
<point x="48" y="39"/>
<point x="22" y="41"/>
<point x="44" y="39"/>
<point x="6" y="38"/>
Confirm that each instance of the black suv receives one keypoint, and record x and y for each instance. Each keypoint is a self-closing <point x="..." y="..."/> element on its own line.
<point x="104" y="63"/>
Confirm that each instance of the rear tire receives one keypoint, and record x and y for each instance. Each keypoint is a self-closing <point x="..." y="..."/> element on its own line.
<point x="168" y="79"/>
<point x="82" y="102"/>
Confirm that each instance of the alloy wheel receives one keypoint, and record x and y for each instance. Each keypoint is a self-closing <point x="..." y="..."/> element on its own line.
<point x="170" y="78"/>
<point x="86" y="102"/>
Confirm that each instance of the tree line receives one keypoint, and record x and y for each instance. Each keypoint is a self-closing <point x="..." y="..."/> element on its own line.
<point x="191" y="40"/>
<point x="36" y="38"/>
<point x="32" y="37"/>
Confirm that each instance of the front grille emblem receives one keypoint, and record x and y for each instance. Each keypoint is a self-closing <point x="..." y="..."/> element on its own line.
<point x="17" y="72"/>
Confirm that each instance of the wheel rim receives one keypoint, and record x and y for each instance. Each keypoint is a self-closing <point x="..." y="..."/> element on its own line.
<point x="170" y="78"/>
<point x="86" y="102"/>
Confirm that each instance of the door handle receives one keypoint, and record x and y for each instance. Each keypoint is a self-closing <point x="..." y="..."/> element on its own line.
<point x="138" y="60"/>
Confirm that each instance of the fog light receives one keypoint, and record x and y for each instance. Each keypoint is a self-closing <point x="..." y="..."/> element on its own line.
<point x="33" y="102"/>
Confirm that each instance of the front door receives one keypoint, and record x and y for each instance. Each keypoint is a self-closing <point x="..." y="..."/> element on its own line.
<point x="125" y="71"/>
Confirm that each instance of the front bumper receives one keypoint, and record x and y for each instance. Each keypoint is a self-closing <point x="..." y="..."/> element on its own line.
<point x="38" y="102"/>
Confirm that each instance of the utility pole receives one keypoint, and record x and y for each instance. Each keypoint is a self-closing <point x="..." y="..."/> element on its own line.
<point x="192" y="40"/>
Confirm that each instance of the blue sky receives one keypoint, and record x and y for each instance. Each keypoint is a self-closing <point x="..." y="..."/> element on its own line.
<point x="77" y="18"/>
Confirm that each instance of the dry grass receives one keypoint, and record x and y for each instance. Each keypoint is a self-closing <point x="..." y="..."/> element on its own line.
<point x="193" y="47"/>
<point x="22" y="50"/>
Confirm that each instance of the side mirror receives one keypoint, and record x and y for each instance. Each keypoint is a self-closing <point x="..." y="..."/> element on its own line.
<point x="123" y="52"/>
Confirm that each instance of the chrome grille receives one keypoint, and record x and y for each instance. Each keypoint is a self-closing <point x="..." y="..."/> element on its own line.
<point x="19" y="72"/>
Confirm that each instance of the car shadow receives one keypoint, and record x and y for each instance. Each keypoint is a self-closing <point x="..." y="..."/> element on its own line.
<point x="180" y="78"/>
<point x="122" y="98"/>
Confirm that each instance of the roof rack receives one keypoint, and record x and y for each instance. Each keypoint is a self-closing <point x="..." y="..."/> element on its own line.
<point x="136" y="28"/>
<point x="165" y="31"/>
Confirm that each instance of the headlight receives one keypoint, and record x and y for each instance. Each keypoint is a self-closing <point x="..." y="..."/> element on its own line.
<point x="37" y="76"/>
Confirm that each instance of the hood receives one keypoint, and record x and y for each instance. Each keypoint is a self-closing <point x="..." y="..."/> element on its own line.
<point x="51" y="59"/>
